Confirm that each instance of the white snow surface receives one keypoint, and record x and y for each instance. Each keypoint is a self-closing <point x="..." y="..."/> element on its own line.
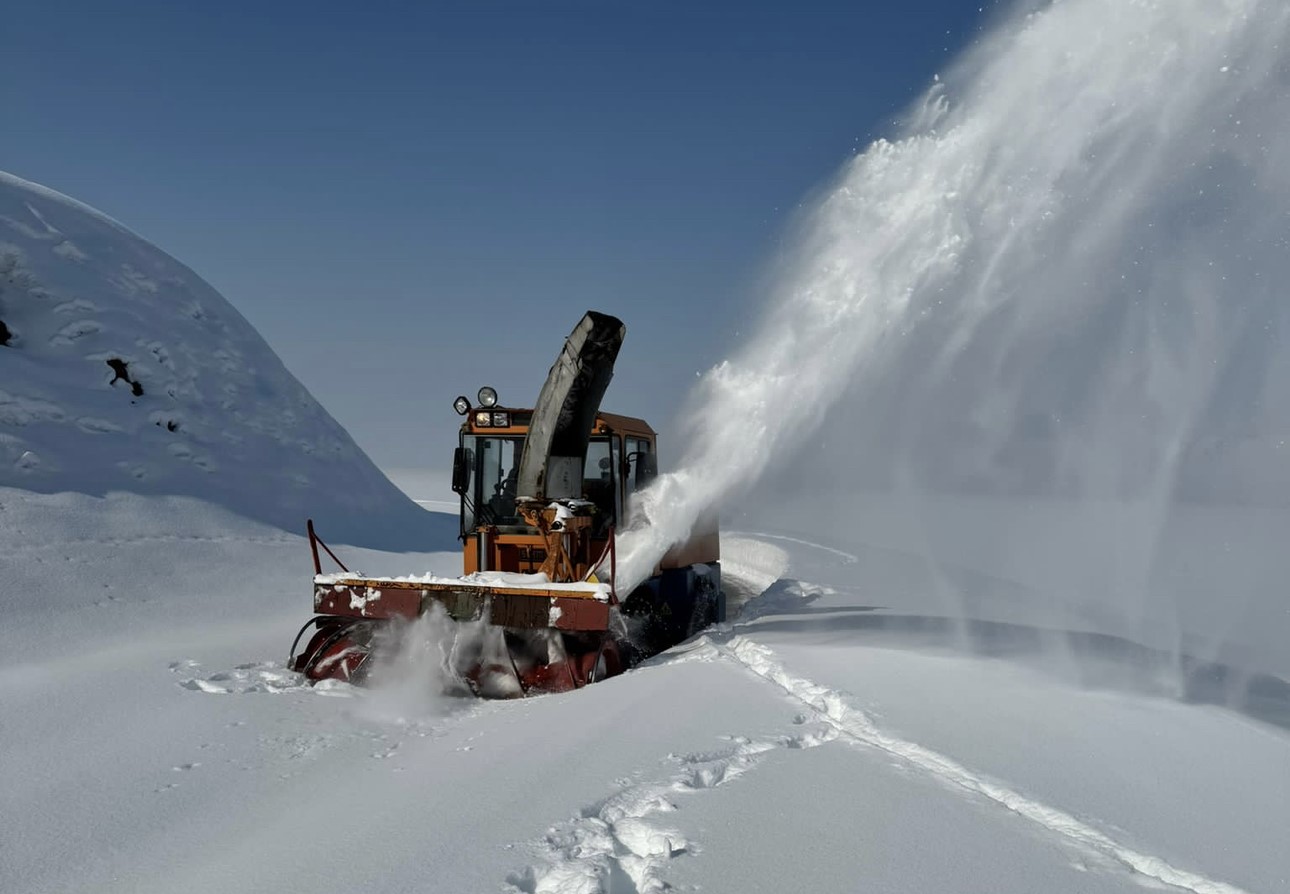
<point x="218" y="416"/>
<point x="156" y="742"/>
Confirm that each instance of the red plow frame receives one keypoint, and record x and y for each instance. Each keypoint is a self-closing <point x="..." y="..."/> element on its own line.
<point x="353" y="610"/>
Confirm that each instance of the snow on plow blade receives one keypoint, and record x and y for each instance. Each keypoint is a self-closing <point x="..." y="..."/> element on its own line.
<point x="514" y="603"/>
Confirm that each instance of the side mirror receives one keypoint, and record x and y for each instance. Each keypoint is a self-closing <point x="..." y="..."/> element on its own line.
<point x="646" y="469"/>
<point x="463" y="461"/>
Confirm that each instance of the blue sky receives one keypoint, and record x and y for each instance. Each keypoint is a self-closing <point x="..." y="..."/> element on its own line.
<point x="410" y="200"/>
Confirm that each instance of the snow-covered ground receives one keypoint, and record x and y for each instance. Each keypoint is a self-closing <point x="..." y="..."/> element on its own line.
<point x="154" y="741"/>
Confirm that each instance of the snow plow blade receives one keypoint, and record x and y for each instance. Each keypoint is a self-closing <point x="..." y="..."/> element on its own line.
<point x="550" y="637"/>
<point x="571" y="607"/>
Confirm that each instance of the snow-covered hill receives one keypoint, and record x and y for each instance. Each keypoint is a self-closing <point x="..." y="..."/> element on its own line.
<point x="121" y="370"/>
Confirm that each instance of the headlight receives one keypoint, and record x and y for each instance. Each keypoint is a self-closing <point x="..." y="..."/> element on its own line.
<point x="483" y="418"/>
<point x="501" y="420"/>
<point x="461" y="405"/>
<point x="487" y="397"/>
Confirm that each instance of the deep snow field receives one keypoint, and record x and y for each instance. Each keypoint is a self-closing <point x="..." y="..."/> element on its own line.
<point x="825" y="740"/>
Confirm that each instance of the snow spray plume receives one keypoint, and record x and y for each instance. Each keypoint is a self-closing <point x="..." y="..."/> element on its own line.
<point x="418" y="667"/>
<point x="1064" y="279"/>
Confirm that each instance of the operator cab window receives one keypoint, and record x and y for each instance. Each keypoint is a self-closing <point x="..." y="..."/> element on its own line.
<point x="598" y="484"/>
<point x="635" y="447"/>
<point x="497" y="467"/>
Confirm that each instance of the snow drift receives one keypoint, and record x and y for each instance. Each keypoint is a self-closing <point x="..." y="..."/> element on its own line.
<point x="121" y="370"/>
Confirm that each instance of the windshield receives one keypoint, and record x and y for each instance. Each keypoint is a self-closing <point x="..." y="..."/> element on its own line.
<point x="496" y="466"/>
<point x="598" y="485"/>
<point x="494" y="463"/>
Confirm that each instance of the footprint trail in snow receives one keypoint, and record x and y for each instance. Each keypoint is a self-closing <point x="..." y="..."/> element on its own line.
<point x="624" y="843"/>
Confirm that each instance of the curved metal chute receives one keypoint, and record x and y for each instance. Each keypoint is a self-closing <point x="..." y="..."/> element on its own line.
<point x="556" y="447"/>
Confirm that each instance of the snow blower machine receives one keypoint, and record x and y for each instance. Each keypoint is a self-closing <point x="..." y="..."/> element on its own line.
<point x="541" y="493"/>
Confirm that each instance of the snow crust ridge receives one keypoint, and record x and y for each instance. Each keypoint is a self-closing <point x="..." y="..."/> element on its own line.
<point x="854" y="725"/>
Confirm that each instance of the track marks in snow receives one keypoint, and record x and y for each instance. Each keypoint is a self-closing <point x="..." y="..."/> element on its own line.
<point x="623" y="844"/>
<point x="852" y="724"/>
